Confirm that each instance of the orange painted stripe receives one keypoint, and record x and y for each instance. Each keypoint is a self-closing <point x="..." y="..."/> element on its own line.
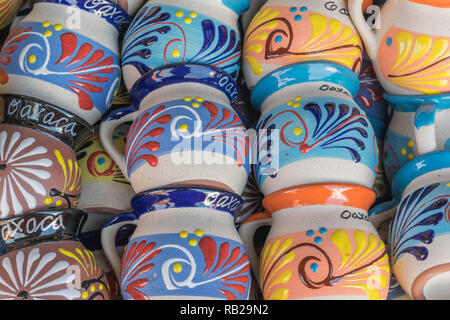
<point x="321" y="194"/>
<point x="434" y="3"/>
<point x="257" y="217"/>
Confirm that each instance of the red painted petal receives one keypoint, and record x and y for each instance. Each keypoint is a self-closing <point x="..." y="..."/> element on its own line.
<point x="209" y="249"/>
<point x="68" y="45"/>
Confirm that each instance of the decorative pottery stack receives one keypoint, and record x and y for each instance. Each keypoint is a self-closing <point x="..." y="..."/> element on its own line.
<point x="317" y="155"/>
<point x="60" y="69"/>
<point x="186" y="154"/>
<point x="409" y="49"/>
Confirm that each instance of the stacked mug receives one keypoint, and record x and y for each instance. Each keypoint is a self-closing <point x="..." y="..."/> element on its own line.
<point x="409" y="49"/>
<point x="317" y="155"/>
<point x="59" y="71"/>
<point x="186" y="154"/>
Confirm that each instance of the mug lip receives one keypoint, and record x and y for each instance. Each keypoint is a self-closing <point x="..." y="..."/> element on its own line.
<point x="81" y="5"/>
<point x="304" y="72"/>
<point x="412" y="103"/>
<point x="156" y="79"/>
<point x="338" y="194"/>
<point x="164" y="193"/>
<point x="87" y="129"/>
<point x="416" y="168"/>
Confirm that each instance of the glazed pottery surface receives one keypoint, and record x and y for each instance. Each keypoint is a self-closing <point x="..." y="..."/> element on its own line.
<point x="419" y="125"/>
<point x="418" y="240"/>
<point x="322" y="245"/>
<point x="105" y="188"/>
<point x="184" y="131"/>
<point x="185" y="247"/>
<point x="311" y="130"/>
<point x="9" y="10"/>
<point x="285" y="32"/>
<point x="409" y="45"/>
<point x="67" y="56"/>
<point x="37" y="171"/>
<point x="165" y="32"/>
<point x="42" y="258"/>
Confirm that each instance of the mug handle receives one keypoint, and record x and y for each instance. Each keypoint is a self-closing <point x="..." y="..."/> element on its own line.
<point x="108" y="238"/>
<point x="107" y="127"/>
<point x="367" y="34"/>
<point x="425" y="129"/>
<point x="247" y="232"/>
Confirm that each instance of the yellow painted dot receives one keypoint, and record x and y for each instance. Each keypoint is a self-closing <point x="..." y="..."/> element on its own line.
<point x="193" y="14"/>
<point x="188" y="99"/>
<point x="84" y="295"/>
<point x="184" y="234"/>
<point x="92" y="288"/>
<point x="176" y="53"/>
<point x="290" y="103"/>
<point x="296" y="105"/>
<point x="48" y="201"/>
<point x="59" y="203"/>
<point x="179" y="14"/>
<point x="31" y="58"/>
<point x="45" y="24"/>
<point x="58" y="27"/>
<point x="188" y="20"/>
<point x="177" y="267"/>
<point x="378" y="151"/>
<point x="193" y="242"/>
<point x="48" y="33"/>
<point x="403" y="151"/>
<point x="298" y="131"/>
<point x="196" y="104"/>
<point x="100" y="287"/>
<point x="410" y="156"/>
<point x="298" y="98"/>
<point x="199" y="232"/>
<point x="411" y="144"/>
<point x="184" y="127"/>
<point x="199" y="99"/>
<point x="448" y="184"/>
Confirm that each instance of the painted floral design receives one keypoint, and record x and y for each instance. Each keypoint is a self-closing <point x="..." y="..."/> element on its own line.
<point x="325" y="263"/>
<point x="185" y="265"/>
<point x="24" y="166"/>
<point x="162" y="35"/>
<point x="16" y="35"/>
<point x="35" y="275"/>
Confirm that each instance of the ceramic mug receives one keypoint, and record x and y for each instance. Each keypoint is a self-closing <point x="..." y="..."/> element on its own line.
<point x="286" y="32"/>
<point x="166" y="32"/>
<point x="321" y="245"/>
<point x="311" y="130"/>
<point x="9" y="10"/>
<point x="42" y="258"/>
<point x="105" y="188"/>
<point x="419" y="125"/>
<point x="68" y="55"/>
<point x="409" y="45"/>
<point x="184" y="131"/>
<point x="38" y="165"/>
<point x="185" y="246"/>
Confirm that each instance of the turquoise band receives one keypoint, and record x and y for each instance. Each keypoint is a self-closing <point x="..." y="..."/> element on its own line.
<point x="301" y="73"/>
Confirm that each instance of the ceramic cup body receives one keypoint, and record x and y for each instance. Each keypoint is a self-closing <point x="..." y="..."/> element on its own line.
<point x="419" y="236"/>
<point x="185" y="246"/>
<point x="409" y="46"/>
<point x="105" y="188"/>
<point x="37" y="171"/>
<point x="285" y="32"/>
<point x="312" y="131"/>
<point x="419" y="125"/>
<point x="184" y="131"/>
<point x="43" y="259"/>
<point x="165" y="32"/>
<point x="67" y="59"/>
<point x="321" y="241"/>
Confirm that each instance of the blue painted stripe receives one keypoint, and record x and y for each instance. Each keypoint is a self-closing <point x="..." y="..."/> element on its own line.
<point x="238" y="6"/>
<point x="412" y="103"/>
<point x="302" y="73"/>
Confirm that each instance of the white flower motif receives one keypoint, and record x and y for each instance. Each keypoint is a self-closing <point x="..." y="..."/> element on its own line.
<point x="35" y="278"/>
<point x="22" y="169"/>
